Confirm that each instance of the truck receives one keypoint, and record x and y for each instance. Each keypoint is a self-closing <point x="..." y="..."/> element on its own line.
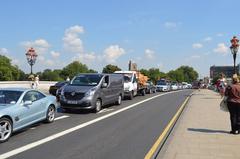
<point x="134" y="83"/>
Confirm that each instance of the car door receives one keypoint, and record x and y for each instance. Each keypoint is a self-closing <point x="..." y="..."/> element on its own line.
<point x="106" y="91"/>
<point x="30" y="113"/>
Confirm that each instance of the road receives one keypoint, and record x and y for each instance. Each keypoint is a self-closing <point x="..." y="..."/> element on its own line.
<point x="127" y="131"/>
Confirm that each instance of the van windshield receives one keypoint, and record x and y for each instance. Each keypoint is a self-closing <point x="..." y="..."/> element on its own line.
<point x="86" y="80"/>
<point x="127" y="77"/>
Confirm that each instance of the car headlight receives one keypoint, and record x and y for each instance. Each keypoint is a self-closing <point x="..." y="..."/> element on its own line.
<point x="90" y="92"/>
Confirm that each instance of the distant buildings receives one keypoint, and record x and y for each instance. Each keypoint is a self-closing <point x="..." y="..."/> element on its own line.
<point x="228" y="71"/>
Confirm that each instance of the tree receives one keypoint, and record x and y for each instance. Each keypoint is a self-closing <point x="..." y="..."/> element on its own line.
<point x="73" y="69"/>
<point x="183" y="74"/>
<point x="176" y="75"/>
<point x="49" y="75"/>
<point x="8" y="72"/>
<point x="189" y="73"/>
<point x="110" y="69"/>
<point x="153" y="74"/>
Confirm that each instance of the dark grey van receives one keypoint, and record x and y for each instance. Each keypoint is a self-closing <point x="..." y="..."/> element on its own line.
<point x="92" y="91"/>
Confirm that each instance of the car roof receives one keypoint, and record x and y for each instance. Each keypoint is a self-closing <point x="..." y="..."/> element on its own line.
<point x="16" y="89"/>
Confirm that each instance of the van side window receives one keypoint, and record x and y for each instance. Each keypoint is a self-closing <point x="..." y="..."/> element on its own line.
<point x="106" y="80"/>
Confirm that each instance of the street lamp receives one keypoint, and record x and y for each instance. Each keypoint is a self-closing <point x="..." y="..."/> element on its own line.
<point x="31" y="57"/>
<point x="234" y="49"/>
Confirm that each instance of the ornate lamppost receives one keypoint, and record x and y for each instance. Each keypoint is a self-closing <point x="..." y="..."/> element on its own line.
<point x="31" y="57"/>
<point x="234" y="49"/>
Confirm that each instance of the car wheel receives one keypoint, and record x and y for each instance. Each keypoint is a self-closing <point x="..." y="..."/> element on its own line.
<point x="119" y="101"/>
<point x="5" y="129"/>
<point x="50" y="114"/>
<point x="150" y="91"/>
<point x="98" y="105"/>
<point x="131" y="95"/>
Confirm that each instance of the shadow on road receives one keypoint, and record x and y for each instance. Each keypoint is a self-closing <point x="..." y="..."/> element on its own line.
<point x="208" y="131"/>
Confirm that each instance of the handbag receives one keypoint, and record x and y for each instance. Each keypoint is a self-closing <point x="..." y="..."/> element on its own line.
<point x="223" y="104"/>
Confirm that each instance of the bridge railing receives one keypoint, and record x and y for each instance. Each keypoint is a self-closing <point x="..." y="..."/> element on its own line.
<point x="43" y="85"/>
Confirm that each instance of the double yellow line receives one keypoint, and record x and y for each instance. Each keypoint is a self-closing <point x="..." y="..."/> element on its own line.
<point x="165" y="132"/>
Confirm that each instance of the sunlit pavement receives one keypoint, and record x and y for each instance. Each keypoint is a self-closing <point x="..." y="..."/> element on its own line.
<point x="202" y="131"/>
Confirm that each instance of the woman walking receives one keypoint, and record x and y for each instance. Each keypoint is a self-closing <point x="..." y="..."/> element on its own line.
<point x="233" y="102"/>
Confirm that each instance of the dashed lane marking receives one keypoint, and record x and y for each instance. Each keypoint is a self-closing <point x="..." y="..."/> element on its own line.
<point x="61" y="117"/>
<point x="105" y="110"/>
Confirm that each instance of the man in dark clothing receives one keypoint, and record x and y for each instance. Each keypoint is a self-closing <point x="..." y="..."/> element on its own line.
<point x="233" y="103"/>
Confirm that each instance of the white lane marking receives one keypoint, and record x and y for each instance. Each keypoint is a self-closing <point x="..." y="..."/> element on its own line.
<point x="58" y="118"/>
<point x="105" y="110"/>
<point x="55" y="136"/>
<point x="61" y="117"/>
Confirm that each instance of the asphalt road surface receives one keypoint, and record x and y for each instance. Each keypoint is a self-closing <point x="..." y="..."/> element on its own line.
<point x="127" y="131"/>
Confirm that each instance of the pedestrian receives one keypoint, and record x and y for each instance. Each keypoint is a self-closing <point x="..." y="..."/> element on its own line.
<point x="68" y="79"/>
<point x="36" y="81"/>
<point x="199" y="85"/>
<point x="233" y="103"/>
<point x="222" y="85"/>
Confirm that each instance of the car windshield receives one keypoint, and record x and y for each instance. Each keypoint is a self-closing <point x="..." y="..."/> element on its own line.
<point x="9" y="97"/>
<point x="87" y="80"/>
<point x="161" y="83"/>
<point x="127" y="77"/>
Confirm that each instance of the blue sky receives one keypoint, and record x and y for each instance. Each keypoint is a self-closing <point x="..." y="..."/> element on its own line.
<point x="153" y="33"/>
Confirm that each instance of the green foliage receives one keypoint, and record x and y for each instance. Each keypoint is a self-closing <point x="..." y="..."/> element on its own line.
<point x="183" y="74"/>
<point x="153" y="74"/>
<point x="110" y="69"/>
<point x="75" y="68"/>
<point x="8" y="72"/>
<point x="49" y="75"/>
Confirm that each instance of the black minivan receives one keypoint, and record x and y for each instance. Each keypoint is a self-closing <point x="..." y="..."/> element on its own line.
<point x="92" y="91"/>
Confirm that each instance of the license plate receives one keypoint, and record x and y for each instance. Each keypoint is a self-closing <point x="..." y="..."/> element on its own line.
<point x="72" y="102"/>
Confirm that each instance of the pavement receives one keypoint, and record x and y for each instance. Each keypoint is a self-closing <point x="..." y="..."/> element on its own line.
<point x="202" y="131"/>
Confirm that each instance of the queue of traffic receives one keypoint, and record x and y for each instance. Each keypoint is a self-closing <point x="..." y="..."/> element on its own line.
<point x="21" y="107"/>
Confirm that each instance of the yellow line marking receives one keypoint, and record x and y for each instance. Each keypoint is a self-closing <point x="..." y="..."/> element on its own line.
<point x="164" y="133"/>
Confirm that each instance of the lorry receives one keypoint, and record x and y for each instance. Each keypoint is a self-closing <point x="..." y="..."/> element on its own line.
<point x="134" y="83"/>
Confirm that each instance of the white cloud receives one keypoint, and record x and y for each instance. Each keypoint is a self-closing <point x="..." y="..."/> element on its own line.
<point x="40" y="45"/>
<point x="50" y="63"/>
<point x="170" y="25"/>
<point x="71" y="40"/>
<point x="207" y="39"/>
<point x="221" y="49"/>
<point x="220" y="35"/>
<point x="16" y="61"/>
<point x="197" y="45"/>
<point x="112" y="53"/>
<point x="149" y="54"/>
<point x="86" y="58"/>
<point x="195" y="57"/>
<point x="3" y="51"/>
<point x="55" y="54"/>
<point x="41" y="58"/>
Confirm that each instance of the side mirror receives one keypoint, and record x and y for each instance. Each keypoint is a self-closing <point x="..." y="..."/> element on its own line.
<point x="28" y="102"/>
<point x="104" y="85"/>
